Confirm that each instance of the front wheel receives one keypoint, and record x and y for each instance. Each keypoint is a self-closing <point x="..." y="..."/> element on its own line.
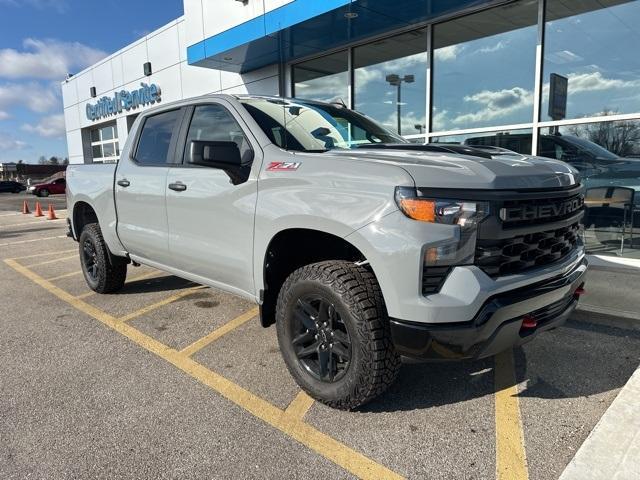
<point x="334" y="335"/>
<point x="103" y="272"/>
<point x="43" y="193"/>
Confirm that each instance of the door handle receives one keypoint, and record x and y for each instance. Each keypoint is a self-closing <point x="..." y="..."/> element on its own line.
<point x="178" y="186"/>
<point x="124" y="183"/>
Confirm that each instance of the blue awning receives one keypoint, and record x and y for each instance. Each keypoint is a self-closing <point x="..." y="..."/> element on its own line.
<point x="306" y="27"/>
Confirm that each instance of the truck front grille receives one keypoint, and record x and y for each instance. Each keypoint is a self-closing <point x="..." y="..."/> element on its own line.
<point x="520" y="253"/>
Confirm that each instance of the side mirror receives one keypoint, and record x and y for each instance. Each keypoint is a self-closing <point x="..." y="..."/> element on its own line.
<point x="223" y="155"/>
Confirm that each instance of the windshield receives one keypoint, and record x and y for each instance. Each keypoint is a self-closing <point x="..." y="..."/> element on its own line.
<point x="591" y="147"/>
<point x="315" y="127"/>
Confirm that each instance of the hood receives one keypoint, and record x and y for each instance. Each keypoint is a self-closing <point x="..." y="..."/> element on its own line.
<point x="445" y="170"/>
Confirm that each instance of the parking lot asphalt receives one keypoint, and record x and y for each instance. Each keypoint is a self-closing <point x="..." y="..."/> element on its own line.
<point x="168" y="379"/>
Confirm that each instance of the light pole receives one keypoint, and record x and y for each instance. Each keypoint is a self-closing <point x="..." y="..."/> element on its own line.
<point x="396" y="81"/>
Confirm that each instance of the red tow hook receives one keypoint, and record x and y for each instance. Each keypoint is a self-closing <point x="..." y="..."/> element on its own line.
<point x="528" y="322"/>
<point x="579" y="291"/>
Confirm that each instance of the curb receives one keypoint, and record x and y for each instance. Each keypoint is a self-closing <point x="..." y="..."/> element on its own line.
<point x="612" y="449"/>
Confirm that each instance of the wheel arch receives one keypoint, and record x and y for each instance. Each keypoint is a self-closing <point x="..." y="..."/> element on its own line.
<point x="292" y="248"/>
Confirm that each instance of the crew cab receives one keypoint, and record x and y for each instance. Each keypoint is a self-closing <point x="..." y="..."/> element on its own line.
<point x="360" y="247"/>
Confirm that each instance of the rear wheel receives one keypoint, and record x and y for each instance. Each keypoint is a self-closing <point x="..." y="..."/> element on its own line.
<point x="104" y="273"/>
<point x="334" y="334"/>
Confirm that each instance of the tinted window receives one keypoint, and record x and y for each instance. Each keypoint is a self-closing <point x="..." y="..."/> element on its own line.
<point x="483" y="68"/>
<point x="515" y="140"/>
<point x="390" y="81"/>
<point x="214" y="123"/>
<point x="324" y="78"/>
<point x="153" y="146"/>
<point x="594" y="45"/>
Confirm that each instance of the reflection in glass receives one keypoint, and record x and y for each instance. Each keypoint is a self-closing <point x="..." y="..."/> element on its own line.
<point x="607" y="154"/>
<point x="514" y="140"/>
<point x="323" y="78"/>
<point x="390" y="81"/>
<point x="484" y="66"/>
<point x="592" y="44"/>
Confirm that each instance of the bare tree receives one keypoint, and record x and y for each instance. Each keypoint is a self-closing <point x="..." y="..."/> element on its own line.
<point x="620" y="137"/>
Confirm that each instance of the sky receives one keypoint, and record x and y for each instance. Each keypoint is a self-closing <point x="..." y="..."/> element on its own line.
<point x="43" y="40"/>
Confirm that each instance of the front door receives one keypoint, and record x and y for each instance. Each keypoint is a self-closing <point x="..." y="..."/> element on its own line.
<point x="210" y="217"/>
<point x="140" y="188"/>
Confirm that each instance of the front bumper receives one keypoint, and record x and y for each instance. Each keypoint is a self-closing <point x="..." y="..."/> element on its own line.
<point x="498" y="323"/>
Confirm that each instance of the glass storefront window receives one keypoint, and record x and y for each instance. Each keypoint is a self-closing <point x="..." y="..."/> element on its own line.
<point x="515" y="140"/>
<point x="591" y="44"/>
<point x="607" y="154"/>
<point x="325" y="78"/>
<point x="484" y="68"/>
<point x="390" y="81"/>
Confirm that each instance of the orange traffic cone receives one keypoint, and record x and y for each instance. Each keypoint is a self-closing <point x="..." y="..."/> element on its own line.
<point x="38" y="210"/>
<point x="25" y="208"/>
<point x="51" y="215"/>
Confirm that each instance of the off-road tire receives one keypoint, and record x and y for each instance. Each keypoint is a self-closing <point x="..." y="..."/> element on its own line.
<point x="111" y="270"/>
<point x="357" y="297"/>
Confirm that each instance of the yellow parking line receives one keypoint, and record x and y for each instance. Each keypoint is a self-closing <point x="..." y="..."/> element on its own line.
<point x="35" y="255"/>
<point x="55" y="260"/>
<point x="347" y="458"/>
<point x="66" y="275"/>
<point x="20" y="242"/>
<point x="218" y="332"/>
<point x="511" y="460"/>
<point x="300" y="405"/>
<point x="161" y="303"/>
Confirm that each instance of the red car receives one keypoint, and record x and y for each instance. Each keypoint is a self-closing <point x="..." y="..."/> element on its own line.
<point x="58" y="185"/>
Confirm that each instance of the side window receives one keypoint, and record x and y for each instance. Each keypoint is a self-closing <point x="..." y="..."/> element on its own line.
<point x="157" y="132"/>
<point x="214" y="123"/>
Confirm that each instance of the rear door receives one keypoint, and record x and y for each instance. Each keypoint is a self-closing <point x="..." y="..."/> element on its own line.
<point x="140" y="187"/>
<point x="210" y="217"/>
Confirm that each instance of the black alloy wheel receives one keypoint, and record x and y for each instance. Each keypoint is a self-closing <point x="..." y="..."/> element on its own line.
<point x="90" y="259"/>
<point x="320" y="338"/>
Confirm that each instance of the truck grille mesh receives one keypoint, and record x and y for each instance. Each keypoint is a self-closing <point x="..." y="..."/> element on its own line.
<point x="520" y="253"/>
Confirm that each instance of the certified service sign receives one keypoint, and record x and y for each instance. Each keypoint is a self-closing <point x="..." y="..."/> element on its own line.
<point x="145" y="95"/>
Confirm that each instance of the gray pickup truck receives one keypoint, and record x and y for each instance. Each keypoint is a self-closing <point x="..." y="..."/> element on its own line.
<point x="359" y="246"/>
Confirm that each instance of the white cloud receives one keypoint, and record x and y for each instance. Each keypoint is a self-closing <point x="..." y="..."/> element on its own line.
<point x="35" y="96"/>
<point x="49" y="126"/>
<point x="493" y="48"/>
<point x="49" y="59"/>
<point x="4" y="115"/>
<point x="448" y="53"/>
<point x="8" y="142"/>
<point x="589" y="82"/>
<point x="495" y="104"/>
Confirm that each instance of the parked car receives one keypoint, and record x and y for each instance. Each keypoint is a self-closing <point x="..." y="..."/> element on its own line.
<point x="11" y="186"/>
<point x="359" y="246"/>
<point x="53" y="187"/>
<point x="598" y="166"/>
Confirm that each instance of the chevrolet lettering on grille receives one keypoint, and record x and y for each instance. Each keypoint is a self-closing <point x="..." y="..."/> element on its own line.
<point x="536" y="212"/>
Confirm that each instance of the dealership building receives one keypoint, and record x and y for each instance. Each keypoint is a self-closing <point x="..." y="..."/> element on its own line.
<point x="557" y="78"/>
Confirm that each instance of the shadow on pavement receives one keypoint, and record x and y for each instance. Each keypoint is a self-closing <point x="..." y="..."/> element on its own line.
<point x="577" y="360"/>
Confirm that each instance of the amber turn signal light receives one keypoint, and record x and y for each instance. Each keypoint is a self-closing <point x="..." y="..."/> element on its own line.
<point x="418" y="209"/>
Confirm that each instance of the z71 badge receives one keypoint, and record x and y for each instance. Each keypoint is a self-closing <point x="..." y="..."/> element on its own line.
<point x="283" y="166"/>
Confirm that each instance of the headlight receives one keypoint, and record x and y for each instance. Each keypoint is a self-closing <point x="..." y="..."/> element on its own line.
<point x="463" y="215"/>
